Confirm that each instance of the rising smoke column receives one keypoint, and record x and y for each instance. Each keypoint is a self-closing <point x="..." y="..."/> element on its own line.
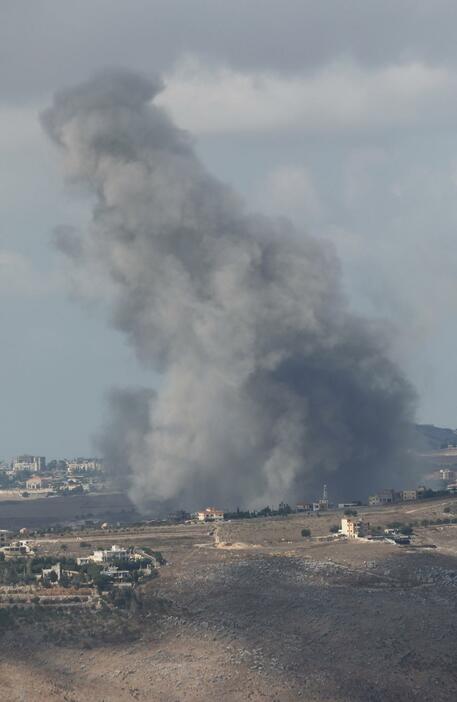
<point x="270" y="386"/>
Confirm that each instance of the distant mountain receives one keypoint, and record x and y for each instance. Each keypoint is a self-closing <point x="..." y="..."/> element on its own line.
<point x="432" y="438"/>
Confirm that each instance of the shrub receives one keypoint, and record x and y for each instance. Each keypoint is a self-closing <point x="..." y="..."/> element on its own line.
<point x="306" y="533"/>
<point x="406" y="529"/>
<point x="350" y="512"/>
<point x="159" y="558"/>
<point x="334" y="529"/>
<point x="446" y="510"/>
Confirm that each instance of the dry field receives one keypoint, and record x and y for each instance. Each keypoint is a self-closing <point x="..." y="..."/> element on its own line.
<point x="250" y="610"/>
<point x="36" y="512"/>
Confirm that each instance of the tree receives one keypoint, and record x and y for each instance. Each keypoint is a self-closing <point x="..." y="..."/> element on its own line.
<point x="334" y="529"/>
<point x="406" y="529"/>
<point x="53" y="577"/>
<point x="284" y="509"/>
<point x="265" y="512"/>
<point x="306" y="533"/>
<point x="103" y="582"/>
<point x="350" y="513"/>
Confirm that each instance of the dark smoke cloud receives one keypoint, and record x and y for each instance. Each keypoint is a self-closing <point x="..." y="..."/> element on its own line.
<point x="270" y="386"/>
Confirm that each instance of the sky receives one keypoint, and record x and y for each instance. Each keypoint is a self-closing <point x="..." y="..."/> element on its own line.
<point x="339" y="116"/>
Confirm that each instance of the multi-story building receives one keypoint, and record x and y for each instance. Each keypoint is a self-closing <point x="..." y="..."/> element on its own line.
<point x="84" y="465"/>
<point x="383" y="497"/>
<point x="353" y="528"/>
<point x="447" y="475"/>
<point x="408" y="495"/>
<point x="304" y="507"/>
<point x="29" y="464"/>
<point x="111" y="555"/>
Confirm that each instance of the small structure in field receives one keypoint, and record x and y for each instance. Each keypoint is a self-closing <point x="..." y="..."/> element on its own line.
<point x="354" y="528"/>
<point x="210" y="514"/>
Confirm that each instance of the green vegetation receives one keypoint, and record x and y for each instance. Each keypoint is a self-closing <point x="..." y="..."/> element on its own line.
<point x="159" y="558"/>
<point x="350" y="513"/>
<point x="334" y="529"/>
<point x="438" y="522"/>
<point x="306" y="533"/>
<point x="16" y="571"/>
<point x="155" y="554"/>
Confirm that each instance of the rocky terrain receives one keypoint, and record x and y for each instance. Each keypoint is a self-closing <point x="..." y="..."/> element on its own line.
<point x="252" y="611"/>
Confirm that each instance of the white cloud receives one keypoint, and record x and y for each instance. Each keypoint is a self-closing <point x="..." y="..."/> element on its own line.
<point x="337" y="97"/>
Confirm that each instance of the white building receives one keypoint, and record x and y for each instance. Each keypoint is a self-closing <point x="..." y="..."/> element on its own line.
<point x="353" y="528"/>
<point x="17" y="549"/>
<point x="210" y="514"/>
<point x="447" y="475"/>
<point x="29" y="464"/>
<point x="111" y="555"/>
<point x="115" y="553"/>
<point x="84" y="465"/>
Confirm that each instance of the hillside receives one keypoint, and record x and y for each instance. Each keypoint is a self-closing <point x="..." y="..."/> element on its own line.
<point x="431" y="437"/>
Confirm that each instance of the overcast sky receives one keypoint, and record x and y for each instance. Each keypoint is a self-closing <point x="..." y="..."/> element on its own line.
<point x="339" y="115"/>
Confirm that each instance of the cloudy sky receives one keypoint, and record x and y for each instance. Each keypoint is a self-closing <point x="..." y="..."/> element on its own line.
<point x="338" y="115"/>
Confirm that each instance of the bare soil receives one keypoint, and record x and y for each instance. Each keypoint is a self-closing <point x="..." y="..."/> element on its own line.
<point x="258" y="613"/>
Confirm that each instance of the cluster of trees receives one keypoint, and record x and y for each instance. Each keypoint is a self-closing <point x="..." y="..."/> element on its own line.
<point x="428" y="494"/>
<point x="283" y="510"/>
<point x="438" y="522"/>
<point x="156" y="554"/>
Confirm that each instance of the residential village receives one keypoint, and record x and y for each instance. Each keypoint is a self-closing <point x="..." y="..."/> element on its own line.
<point x="30" y="575"/>
<point x="31" y="476"/>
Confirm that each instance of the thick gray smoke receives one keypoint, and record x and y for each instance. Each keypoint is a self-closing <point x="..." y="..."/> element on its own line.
<point x="270" y="386"/>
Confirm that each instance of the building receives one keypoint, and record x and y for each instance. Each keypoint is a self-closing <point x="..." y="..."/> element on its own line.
<point x="354" y="528"/>
<point x="17" y="549"/>
<point x="384" y="497"/>
<point x="115" y="553"/>
<point x="116" y="574"/>
<point x="47" y="576"/>
<point x="447" y="475"/>
<point x="210" y="514"/>
<point x="112" y="555"/>
<point x="5" y="536"/>
<point x="29" y="464"/>
<point x="84" y="465"/>
<point x="408" y="495"/>
<point x="304" y="507"/>
<point x="37" y="482"/>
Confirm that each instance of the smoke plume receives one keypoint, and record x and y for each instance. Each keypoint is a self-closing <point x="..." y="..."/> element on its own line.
<point x="269" y="386"/>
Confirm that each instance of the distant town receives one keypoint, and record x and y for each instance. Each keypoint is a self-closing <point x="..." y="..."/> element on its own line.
<point x="28" y="475"/>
